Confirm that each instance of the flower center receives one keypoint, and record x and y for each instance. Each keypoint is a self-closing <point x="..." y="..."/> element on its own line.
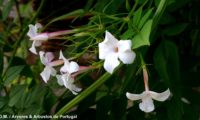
<point x="116" y="49"/>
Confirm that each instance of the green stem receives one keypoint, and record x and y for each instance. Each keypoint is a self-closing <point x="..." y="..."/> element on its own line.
<point x="108" y="16"/>
<point x="85" y="93"/>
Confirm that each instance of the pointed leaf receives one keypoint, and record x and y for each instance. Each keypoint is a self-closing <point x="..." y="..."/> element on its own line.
<point x="137" y="16"/>
<point x="145" y="18"/>
<point x="142" y="38"/>
<point x="15" y="94"/>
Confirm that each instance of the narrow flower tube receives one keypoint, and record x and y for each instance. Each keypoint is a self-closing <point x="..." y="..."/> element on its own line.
<point x="38" y="38"/>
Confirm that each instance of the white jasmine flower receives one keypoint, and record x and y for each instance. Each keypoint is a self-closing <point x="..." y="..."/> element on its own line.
<point x="36" y="37"/>
<point x="147" y="103"/>
<point x="46" y="59"/>
<point x="67" y="78"/>
<point x="111" y="49"/>
<point x="68" y="81"/>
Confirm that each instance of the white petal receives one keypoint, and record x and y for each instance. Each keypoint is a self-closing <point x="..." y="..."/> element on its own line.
<point x="38" y="25"/>
<point x="105" y="50"/>
<point x="62" y="56"/>
<point x="134" y="96"/>
<point x="160" y="96"/>
<point x="49" y="56"/>
<point x="46" y="58"/>
<point x="147" y="104"/>
<point x="72" y="87"/>
<point x="127" y="57"/>
<point x="108" y="45"/>
<point x="60" y="80"/>
<point x="45" y="74"/>
<point x="68" y="82"/>
<point x="66" y="77"/>
<point x="124" y="45"/>
<point x="110" y="38"/>
<point x="41" y="37"/>
<point x="53" y="71"/>
<point x="32" y="31"/>
<point x="33" y="49"/>
<point x="111" y="62"/>
<point x="66" y="66"/>
<point x="42" y="58"/>
<point x="73" y="67"/>
<point x="75" y="90"/>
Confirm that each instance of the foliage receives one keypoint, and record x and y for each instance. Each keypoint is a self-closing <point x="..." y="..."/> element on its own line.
<point x="164" y="33"/>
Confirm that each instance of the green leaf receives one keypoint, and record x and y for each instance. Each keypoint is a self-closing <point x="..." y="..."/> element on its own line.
<point x="128" y="34"/>
<point x="145" y="18"/>
<point x="36" y="95"/>
<point x="175" y="29"/>
<point x="34" y="109"/>
<point x="21" y="102"/>
<point x="137" y="16"/>
<point x="1" y="62"/>
<point x="142" y="38"/>
<point x="12" y="74"/>
<point x="15" y="94"/>
<point x="7" y="110"/>
<point x="3" y="101"/>
<point x="7" y="8"/>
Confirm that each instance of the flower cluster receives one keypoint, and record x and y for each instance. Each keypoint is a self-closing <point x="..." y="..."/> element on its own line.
<point x="111" y="50"/>
<point x="66" y="76"/>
